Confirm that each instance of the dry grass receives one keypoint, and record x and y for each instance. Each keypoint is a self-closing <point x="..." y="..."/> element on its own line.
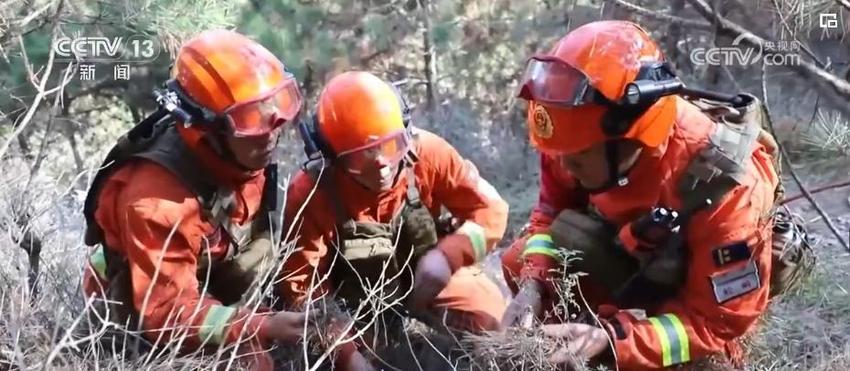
<point x="807" y="330"/>
<point x="828" y="135"/>
<point x="520" y="348"/>
<point x="513" y="349"/>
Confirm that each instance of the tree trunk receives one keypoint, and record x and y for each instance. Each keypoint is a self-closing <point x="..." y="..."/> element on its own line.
<point x="428" y="55"/>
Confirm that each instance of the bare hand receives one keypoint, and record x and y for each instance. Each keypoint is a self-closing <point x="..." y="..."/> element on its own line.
<point x="287" y="327"/>
<point x="525" y="306"/>
<point x="583" y="342"/>
<point x="432" y="275"/>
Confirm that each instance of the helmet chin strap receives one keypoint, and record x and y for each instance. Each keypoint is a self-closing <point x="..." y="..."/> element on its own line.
<point x="216" y="140"/>
<point x="615" y="177"/>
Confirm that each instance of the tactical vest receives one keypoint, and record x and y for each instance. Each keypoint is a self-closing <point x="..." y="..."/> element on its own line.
<point x="251" y="249"/>
<point x="380" y="259"/>
<point x="716" y="170"/>
<point x="720" y="167"/>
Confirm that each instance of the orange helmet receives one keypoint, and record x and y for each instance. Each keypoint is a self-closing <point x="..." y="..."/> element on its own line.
<point x="604" y="80"/>
<point x="359" y="116"/>
<point x="223" y="77"/>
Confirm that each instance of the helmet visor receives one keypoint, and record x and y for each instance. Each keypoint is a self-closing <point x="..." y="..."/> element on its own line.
<point x="261" y="115"/>
<point x="380" y="153"/>
<point x="552" y="81"/>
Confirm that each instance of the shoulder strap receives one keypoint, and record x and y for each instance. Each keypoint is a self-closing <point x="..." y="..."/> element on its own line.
<point x="159" y="141"/>
<point x="137" y="139"/>
<point x="271" y="206"/>
<point x="170" y="152"/>
<point x="323" y="174"/>
<point x="409" y="161"/>
<point x="413" y="197"/>
<point x="719" y="167"/>
<point x="217" y="202"/>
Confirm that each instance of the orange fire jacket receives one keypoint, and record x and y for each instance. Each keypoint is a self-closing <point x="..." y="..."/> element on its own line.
<point x="443" y="178"/>
<point x="695" y="322"/>
<point x="151" y="218"/>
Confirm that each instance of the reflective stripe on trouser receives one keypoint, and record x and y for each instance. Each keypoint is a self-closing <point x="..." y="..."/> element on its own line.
<point x="673" y="338"/>
<point x="97" y="259"/>
<point x="475" y="233"/>
<point x="541" y="244"/>
<point x="215" y="323"/>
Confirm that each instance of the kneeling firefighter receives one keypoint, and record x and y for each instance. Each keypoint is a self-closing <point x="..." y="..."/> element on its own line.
<point x="665" y="196"/>
<point x="183" y="210"/>
<point x="370" y="233"/>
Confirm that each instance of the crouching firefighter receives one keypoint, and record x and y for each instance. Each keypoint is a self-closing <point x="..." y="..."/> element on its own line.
<point x="366" y="211"/>
<point x="183" y="209"/>
<point x="665" y="195"/>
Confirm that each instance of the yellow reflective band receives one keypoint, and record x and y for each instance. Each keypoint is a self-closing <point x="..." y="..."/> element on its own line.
<point x="475" y="233"/>
<point x="675" y="347"/>
<point x="215" y="322"/>
<point x="541" y="251"/>
<point x="665" y="343"/>
<point x="684" y="341"/>
<point x="97" y="259"/>
<point x="541" y="244"/>
<point x="539" y="237"/>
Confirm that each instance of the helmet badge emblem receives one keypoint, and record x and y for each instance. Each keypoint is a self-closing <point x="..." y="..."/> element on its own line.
<point x="542" y="122"/>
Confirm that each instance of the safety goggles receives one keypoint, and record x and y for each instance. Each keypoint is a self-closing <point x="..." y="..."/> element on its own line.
<point x="550" y="80"/>
<point x="384" y="151"/>
<point x="267" y="112"/>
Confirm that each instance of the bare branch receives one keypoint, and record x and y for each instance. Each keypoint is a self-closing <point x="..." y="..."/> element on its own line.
<point x="791" y="171"/>
<point x="428" y="54"/>
<point x="41" y="88"/>
<point x="833" y="83"/>
<point x="662" y="16"/>
<point x="49" y="128"/>
<point x="794" y="35"/>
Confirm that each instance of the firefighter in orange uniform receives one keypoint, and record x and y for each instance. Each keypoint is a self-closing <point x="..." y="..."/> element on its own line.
<point x="186" y="200"/>
<point x="379" y="188"/>
<point x="670" y="211"/>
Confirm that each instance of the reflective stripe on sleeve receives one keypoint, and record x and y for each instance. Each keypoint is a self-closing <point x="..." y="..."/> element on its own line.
<point x="97" y="259"/>
<point x="475" y="233"/>
<point x="215" y="323"/>
<point x="541" y="244"/>
<point x="671" y="334"/>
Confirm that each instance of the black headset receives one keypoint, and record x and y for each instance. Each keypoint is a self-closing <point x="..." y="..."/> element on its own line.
<point x="315" y="146"/>
<point x="174" y="100"/>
